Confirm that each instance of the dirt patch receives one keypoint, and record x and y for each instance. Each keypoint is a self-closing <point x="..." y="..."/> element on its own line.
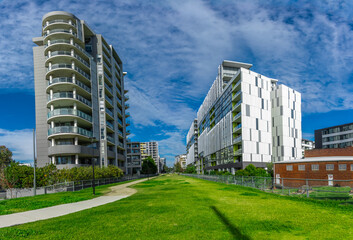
<point x="123" y="189"/>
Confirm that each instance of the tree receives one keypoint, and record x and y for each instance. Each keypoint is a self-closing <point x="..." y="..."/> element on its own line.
<point x="251" y="170"/>
<point x="5" y="156"/>
<point x="149" y="166"/>
<point x="190" y="169"/>
<point x="270" y="169"/>
<point x="178" y="168"/>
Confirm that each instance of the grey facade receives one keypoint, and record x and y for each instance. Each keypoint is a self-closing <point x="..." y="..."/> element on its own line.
<point x="339" y="136"/>
<point x="79" y="94"/>
<point x="133" y="159"/>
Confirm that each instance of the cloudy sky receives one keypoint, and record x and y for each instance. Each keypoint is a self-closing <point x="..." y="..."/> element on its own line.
<point x="171" y="51"/>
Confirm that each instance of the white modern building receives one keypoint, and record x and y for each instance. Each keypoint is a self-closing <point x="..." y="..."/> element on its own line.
<point x="151" y="149"/>
<point x="307" y="145"/>
<point x="181" y="159"/>
<point x="79" y="95"/>
<point x="247" y="118"/>
<point x="191" y="146"/>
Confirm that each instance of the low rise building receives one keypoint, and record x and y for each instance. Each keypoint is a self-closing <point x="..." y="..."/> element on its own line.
<point x="181" y="159"/>
<point x="134" y="162"/>
<point x="340" y="136"/>
<point x="307" y="145"/>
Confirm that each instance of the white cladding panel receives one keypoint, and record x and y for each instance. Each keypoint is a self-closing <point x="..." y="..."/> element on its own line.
<point x="190" y="156"/>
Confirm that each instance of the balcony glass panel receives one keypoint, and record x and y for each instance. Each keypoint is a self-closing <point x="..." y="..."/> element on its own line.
<point x="109" y="112"/>
<point x="69" y="129"/>
<point x="110" y="125"/>
<point x="69" y="111"/>
<point x="110" y="139"/>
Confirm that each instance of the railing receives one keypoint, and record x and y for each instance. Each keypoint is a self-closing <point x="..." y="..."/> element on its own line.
<point x="70" y="80"/>
<point x="120" y="145"/>
<point x="82" y="50"/>
<point x="238" y="152"/>
<point x="61" y="95"/>
<point x="110" y="125"/>
<point x="109" y="88"/>
<point x="69" y="111"/>
<point x="118" y="90"/>
<point x="108" y="50"/>
<point x="119" y="111"/>
<point x="57" y="41"/>
<point x="59" y="65"/>
<point x="127" y="105"/>
<point x="237" y="139"/>
<point x="83" y="73"/>
<point x="107" y="76"/>
<point x="58" y="31"/>
<point x="69" y="129"/>
<point x="119" y="121"/>
<point x="106" y="65"/>
<point x="82" y="85"/>
<point x="110" y="139"/>
<point x="236" y="127"/>
<point x="56" y="53"/>
<point x="84" y="100"/>
<point x="236" y="105"/>
<point x="121" y="133"/>
<point x="82" y="60"/>
<point x="58" y="21"/>
<point x="237" y="84"/>
<point x="236" y="116"/>
<point x="109" y="112"/>
<point x="109" y="100"/>
<point x="236" y="94"/>
<point x="126" y="97"/>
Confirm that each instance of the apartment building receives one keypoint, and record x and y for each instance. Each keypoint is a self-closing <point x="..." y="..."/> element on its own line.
<point x="162" y="163"/>
<point x="307" y="145"/>
<point x="247" y="118"/>
<point x="340" y="136"/>
<point x="181" y="159"/>
<point x="79" y="95"/>
<point x="133" y="159"/>
<point x="191" y="146"/>
<point x="151" y="149"/>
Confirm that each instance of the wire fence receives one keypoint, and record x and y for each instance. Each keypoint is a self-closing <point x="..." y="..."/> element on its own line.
<point x="310" y="188"/>
<point x="66" y="186"/>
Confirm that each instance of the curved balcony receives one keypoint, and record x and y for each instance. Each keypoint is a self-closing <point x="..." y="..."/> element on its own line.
<point x="68" y="54"/>
<point x="70" y="112"/>
<point x="58" y="21"/>
<point x="67" y="42"/>
<point x="69" y="130"/>
<point x="70" y="95"/>
<point x="67" y="67"/>
<point x="64" y="31"/>
<point x="69" y="80"/>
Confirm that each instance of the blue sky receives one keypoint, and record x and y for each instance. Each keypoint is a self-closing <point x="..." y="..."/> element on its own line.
<point x="171" y="51"/>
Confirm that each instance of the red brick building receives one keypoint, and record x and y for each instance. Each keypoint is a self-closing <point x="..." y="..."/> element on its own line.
<point x="315" y="171"/>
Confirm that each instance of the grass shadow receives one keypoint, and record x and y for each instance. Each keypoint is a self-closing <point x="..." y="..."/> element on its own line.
<point x="232" y="229"/>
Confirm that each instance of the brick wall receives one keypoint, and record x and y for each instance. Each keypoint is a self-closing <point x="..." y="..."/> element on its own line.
<point x="308" y="173"/>
<point x="327" y="152"/>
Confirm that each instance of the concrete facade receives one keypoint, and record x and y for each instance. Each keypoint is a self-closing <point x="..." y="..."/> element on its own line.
<point x="340" y="136"/>
<point x="247" y="118"/>
<point x="133" y="159"/>
<point x="79" y="94"/>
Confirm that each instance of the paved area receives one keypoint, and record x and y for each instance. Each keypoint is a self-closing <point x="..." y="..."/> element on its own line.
<point x="117" y="192"/>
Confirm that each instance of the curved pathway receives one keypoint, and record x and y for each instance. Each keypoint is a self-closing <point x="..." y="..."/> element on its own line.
<point x="117" y="192"/>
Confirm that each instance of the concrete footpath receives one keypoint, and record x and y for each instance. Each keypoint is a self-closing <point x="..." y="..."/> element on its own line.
<point x="117" y="192"/>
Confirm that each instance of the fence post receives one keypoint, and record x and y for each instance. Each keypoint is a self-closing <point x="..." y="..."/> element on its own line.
<point x="282" y="185"/>
<point x="307" y="188"/>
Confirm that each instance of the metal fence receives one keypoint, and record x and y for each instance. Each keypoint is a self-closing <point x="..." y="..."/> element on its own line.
<point x="310" y="188"/>
<point x="66" y="186"/>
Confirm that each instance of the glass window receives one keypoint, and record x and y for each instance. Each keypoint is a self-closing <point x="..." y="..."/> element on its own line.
<point x="315" y="167"/>
<point x="329" y="167"/>
<point x="301" y="167"/>
<point x="289" y="167"/>
<point x="342" y="167"/>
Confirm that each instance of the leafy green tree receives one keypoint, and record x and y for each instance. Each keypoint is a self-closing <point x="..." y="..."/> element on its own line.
<point x="270" y="169"/>
<point x="178" y="168"/>
<point x="149" y="166"/>
<point x="251" y="170"/>
<point x="5" y="156"/>
<point x="190" y="169"/>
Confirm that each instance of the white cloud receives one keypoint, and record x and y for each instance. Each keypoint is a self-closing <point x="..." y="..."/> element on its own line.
<point x="20" y="142"/>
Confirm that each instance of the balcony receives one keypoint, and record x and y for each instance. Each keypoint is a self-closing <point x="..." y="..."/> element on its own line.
<point x="69" y="129"/>
<point x="127" y="105"/>
<point x="236" y="117"/>
<point x="110" y="139"/>
<point x="59" y="53"/>
<point x="236" y="85"/>
<point x="107" y="77"/>
<point x="109" y="88"/>
<point x="238" y="152"/>
<point x="47" y="33"/>
<point x="68" y="66"/>
<point x="83" y="73"/>
<point x="58" y="21"/>
<point x="106" y="65"/>
<point x="127" y="114"/>
<point x="236" y="128"/>
<point x="109" y="112"/>
<point x="120" y="122"/>
<point x="236" y="95"/>
<point x="128" y="132"/>
<point x="126" y="97"/>
<point x="120" y="133"/>
<point x="119" y="111"/>
<point x="237" y="105"/>
<point x="57" y="41"/>
<point x="70" y="80"/>
<point x="59" y="95"/>
<point x="69" y="111"/>
<point x="110" y="125"/>
<point x="237" y="139"/>
<point x="109" y="100"/>
<point x="120" y="144"/>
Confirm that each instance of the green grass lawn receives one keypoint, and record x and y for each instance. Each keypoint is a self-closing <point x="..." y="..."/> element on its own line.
<point x="178" y="207"/>
<point x="41" y="201"/>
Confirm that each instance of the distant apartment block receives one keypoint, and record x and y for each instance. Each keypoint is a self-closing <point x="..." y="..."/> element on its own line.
<point x="247" y="118"/>
<point x="340" y="136"/>
<point x="151" y="149"/>
<point x="79" y="94"/>
<point x="181" y="159"/>
<point x="133" y="159"/>
<point x="162" y="163"/>
<point x="307" y="145"/>
<point x="191" y="146"/>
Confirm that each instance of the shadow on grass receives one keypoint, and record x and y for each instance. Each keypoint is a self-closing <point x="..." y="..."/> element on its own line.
<point x="232" y="229"/>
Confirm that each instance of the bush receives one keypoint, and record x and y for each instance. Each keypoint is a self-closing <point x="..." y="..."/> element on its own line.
<point x="19" y="176"/>
<point x="149" y="166"/>
<point x="191" y="169"/>
<point x="251" y="170"/>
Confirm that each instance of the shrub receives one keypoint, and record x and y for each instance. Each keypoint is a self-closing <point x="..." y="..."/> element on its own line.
<point x="190" y="169"/>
